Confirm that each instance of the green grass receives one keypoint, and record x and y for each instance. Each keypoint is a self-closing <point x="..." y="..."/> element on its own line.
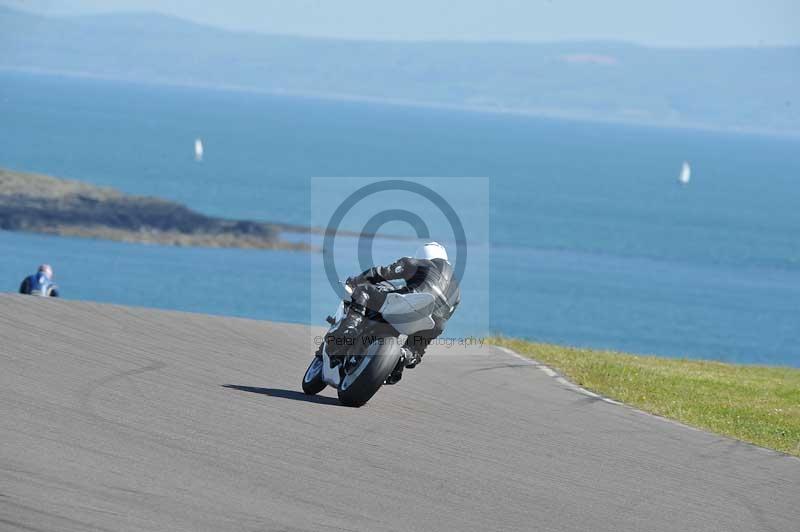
<point x="757" y="404"/>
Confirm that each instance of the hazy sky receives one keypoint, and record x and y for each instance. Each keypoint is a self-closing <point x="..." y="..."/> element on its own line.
<point x="654" y="22"/>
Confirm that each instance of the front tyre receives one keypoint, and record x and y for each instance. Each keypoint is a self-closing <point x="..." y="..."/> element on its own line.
<point x="362" y="381"/>
<point x="312" y="380"/>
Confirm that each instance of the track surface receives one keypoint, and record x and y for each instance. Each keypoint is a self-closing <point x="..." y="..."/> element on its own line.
<point x="115" y="418"/>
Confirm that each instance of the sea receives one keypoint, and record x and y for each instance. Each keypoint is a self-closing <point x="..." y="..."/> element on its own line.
<point x="589" y="239"/>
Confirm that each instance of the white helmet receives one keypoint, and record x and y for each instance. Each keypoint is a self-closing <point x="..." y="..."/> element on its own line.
<point x="432" y="250"/>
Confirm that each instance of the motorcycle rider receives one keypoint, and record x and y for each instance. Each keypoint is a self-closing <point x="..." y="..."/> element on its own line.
<point x="428" y="272"/>
<point x="40" y="283"/>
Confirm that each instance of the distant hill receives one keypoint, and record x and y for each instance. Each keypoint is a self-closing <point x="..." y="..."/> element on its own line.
<point x="735" y="88"/>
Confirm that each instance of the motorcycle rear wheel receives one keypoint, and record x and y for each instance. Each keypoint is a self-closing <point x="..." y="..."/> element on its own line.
<point x="359" y="385"/>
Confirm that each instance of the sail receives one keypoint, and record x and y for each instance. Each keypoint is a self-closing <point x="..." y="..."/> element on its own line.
<point x="198" y="150"/>
<point x="686" y="173"/>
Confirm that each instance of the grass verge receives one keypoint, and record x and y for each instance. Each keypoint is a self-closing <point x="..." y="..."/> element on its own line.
<point x="756" y="404"/>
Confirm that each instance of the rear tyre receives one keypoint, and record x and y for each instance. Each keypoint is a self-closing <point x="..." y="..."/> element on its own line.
<point x="359" y="385"/>
<point x="312" y="380"/>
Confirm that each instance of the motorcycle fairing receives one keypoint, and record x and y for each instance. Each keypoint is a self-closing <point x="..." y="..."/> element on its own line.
<point x="330" y="375"/>
<point x="409" y="313"/>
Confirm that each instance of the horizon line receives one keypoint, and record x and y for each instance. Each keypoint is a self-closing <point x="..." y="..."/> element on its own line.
<point x="392" y="40"/>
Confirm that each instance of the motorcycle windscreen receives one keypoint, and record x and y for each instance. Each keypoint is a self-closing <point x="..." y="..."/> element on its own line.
<point x="408" y="313"/>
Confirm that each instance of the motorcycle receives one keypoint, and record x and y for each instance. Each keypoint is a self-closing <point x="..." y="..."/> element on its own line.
<point x="363" y="367"/>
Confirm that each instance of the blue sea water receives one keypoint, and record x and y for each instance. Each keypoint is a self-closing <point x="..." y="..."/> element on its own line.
<point x="593" y="242"/>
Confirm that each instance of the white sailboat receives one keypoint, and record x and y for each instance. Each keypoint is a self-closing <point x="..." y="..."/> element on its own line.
<point x="686" y="173"/>
<point x="198" y="150"/>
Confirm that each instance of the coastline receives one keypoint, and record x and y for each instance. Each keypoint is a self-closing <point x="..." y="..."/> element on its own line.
<point x="38" y="203"/>
<point x="537" y="113"/>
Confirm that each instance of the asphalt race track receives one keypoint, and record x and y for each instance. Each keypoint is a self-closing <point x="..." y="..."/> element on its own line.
<point x="115" y="418"/>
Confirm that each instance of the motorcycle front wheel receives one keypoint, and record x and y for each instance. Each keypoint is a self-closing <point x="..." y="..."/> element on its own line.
<point x="312" y="380"/>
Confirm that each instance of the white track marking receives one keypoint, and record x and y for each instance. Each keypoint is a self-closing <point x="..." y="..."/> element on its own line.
<point x="550" y="372"/>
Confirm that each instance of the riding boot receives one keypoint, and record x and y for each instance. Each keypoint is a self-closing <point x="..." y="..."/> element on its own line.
<point x="351" y="323"/>
<point x="396" y="374"/>
<point x="409" y="359"/>
<point x="348" y="330"/>
<point x="417" y="344"/>
<point x="412" y="357"/>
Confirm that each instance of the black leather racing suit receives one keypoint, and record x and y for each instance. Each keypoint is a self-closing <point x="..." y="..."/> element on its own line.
<point x="435" y="277"/>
